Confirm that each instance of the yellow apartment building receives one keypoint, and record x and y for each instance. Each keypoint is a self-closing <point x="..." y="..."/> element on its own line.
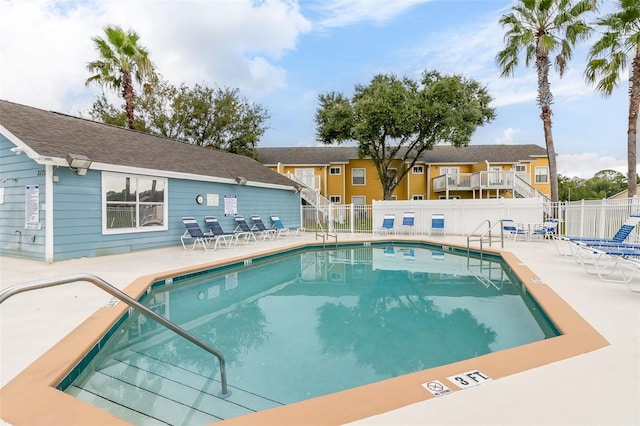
<point x="446" y="172"/>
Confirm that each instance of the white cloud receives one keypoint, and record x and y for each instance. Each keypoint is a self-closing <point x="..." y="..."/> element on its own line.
<point x="507" y="138"/>
<point x="586" y="165"/>
<point x="345" y="12"/>
<point x="225" y="43"/>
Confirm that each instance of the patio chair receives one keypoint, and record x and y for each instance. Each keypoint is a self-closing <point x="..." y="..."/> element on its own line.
<point x="260" y="228"/>
<point x="620" y="236"/>
<point x="511" y="228"/>
<point x="280" y="228"/>
<point x="565" y="244"/>
<point x="193" y="232"/>
<point x="218" y="233"/>
<point x="243" y="229"/>
<point x="546" y="230"/>
<point x="408" y="220"/>
<point x="387" y="224"/>
<point x="437" y="224"/>
<point x="611" y="264"/>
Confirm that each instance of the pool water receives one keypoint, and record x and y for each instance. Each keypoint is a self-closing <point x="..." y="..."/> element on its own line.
<point x="305" y="324"/>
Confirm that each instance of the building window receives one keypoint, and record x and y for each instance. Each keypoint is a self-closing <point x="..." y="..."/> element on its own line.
<point x="542" y="175"/>
<point x="417" y="170"/>
<point x="417" y="197"/>
<point x="335" y="199"/>
<point x="521" y="168"/>
<point x="335" y="170"/>
<point x="133" y="203"/>
<point x="358" y="176"/>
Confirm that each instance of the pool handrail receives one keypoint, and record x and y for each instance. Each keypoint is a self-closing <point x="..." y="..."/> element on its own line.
<point x="485" y="236"/>
<point x="99" y="282"/>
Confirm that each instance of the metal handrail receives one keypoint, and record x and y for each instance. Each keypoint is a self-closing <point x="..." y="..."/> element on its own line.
<point x="99" y="282"/>
<point x="482" y="237"/>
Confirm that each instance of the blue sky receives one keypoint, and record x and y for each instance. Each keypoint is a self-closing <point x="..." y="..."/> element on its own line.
<point x="282" y="54"/>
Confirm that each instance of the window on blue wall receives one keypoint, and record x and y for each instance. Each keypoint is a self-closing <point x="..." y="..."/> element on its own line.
<point x="133" y="203"/>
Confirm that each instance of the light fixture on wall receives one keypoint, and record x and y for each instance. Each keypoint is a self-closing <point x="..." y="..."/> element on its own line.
<point x="241" y="180"/>
<point x="17" y="150"/>
<point x="79" y="163"/>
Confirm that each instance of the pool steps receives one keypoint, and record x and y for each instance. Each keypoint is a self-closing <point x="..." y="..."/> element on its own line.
<point x="129" y="390"/>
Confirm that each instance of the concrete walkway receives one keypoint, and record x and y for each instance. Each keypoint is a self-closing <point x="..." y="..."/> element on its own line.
<point x="597" y="388"/>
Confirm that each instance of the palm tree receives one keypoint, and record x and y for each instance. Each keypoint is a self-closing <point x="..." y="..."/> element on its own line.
<point x="541" y="28"/>
<point x="607" y="60"/>
<point x="121" y="59"/>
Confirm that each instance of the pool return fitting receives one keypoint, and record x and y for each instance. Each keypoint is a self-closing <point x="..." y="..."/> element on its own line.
<point x="99" y="282"/>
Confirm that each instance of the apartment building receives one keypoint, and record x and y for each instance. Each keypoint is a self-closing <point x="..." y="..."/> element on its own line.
<point x="446" y="172"/>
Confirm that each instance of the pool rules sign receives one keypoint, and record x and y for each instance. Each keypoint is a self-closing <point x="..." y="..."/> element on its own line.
<point x="462" y="380"/>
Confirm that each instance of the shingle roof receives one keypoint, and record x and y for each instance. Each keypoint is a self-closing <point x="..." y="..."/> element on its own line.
<point x="441" y="154"/>
<point x="52" y="134"/>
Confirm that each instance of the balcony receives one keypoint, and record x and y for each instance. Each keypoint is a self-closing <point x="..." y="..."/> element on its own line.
<point x="518" y="183"/>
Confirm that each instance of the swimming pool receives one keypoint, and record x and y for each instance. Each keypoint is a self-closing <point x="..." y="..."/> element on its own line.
<point x="341" y="318"/>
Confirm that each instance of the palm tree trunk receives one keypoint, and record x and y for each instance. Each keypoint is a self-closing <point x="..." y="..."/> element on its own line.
<point x="632" y="133"/>
<point x="127" y="94"/>
<point x="545" y="98"/>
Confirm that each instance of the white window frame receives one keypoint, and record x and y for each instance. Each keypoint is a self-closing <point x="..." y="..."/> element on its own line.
<point x="417" y="197"/>
<point x="539" y="176"/>
<point x="335" y="171"/>
<point x="417" y="170"/>
<point x="364" y="177"/>
<point x="517" y="168"/>
<point x="359" y="198"/>
<point x="335" y="199"/>
<point x="138" y="228"/>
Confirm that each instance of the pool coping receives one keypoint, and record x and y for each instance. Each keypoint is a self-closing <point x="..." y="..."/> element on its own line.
<point x="31" y="397"/>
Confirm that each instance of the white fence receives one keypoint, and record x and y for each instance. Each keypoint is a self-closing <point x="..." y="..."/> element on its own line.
<point x="600" y="218"/>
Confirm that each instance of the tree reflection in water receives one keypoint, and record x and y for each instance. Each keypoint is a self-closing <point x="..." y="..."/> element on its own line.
<point x="395" y="318"/>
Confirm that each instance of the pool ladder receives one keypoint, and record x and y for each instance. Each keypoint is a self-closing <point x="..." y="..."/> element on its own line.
<point x="320" y="232"/>
<point x="99" y="282"/>
<point x="485" y="236"/>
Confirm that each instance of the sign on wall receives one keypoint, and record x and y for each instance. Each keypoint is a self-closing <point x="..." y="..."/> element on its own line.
<point x="32" y="207"/>
<point x="230" y="205"/>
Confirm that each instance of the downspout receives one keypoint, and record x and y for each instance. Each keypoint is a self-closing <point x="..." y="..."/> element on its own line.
<point x="428" y="181"/>
<point x="344" y="184"/>
<point x="325" y="182"/>
<point x="48" y="214"/>
<point x="409" y="174"/>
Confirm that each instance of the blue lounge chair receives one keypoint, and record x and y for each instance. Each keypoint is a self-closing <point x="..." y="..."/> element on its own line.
<point x="546" y="230"/>
<point x="510" y="228"/>
<point x="606" y="262"/>
<point x="408" y="221"/>
<point x="243" y="229"/>
<point x="218" y="233"/>
<point x="193" y="232"/>
<point x="260" y="228"/>
<point x="621" y="235"/>
<point x="387" y="224"/>
<point x="280" y="228"/>
<point x="565" y="244"/>
<point x="437" y="224"/>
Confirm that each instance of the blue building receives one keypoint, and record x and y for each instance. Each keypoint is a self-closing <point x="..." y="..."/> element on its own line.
<point x="71" y="187"/>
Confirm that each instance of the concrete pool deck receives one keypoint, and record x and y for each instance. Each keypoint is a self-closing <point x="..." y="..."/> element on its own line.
<point x="601" y="387"/>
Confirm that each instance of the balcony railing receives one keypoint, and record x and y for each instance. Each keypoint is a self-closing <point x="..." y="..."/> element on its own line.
<point x="486" y="180"/>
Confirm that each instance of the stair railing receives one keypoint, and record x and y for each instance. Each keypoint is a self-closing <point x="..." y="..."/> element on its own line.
<point x="99" y="282"/>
